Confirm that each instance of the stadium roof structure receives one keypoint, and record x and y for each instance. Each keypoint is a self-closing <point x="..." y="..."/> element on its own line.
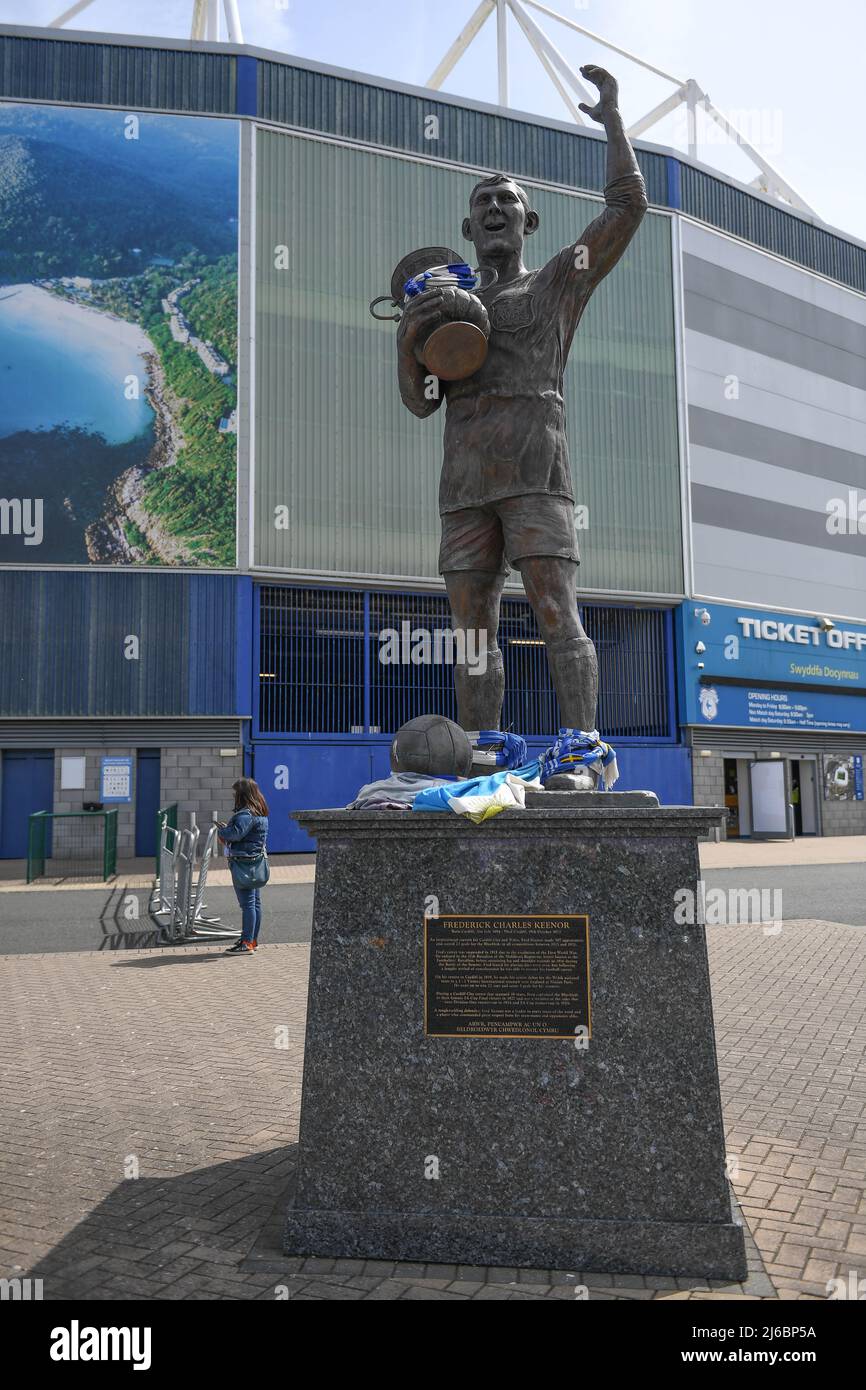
<point x="226" y="78"/>
<point x="687" y="92"/>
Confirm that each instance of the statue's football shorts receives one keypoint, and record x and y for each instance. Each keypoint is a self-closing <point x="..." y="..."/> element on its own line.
<point x="503" y="533"/>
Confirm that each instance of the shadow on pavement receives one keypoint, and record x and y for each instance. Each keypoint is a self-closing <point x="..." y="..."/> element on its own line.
<point x="122" y="933"/>
<point x="180" y="1237"/>
<point x="153" y="962"/>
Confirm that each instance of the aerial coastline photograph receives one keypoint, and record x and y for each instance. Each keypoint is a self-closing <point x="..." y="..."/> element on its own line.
<point x="118" y="333"/>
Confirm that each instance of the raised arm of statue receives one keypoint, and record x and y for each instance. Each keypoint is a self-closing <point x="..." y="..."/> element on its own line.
<point x="607" y="237"/>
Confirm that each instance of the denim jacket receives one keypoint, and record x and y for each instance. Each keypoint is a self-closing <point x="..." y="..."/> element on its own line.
<point x="247" y="835"/>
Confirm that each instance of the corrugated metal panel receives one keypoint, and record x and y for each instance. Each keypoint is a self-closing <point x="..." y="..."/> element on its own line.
<point x="377" y="115"/>
<point x="138" y="733"/>
<point x="755" y="220"/>
<point x="64" y="644"/>
<point x="104" y="74"/>
<point x="213" y="650"/>
<point x="356" y="472"/>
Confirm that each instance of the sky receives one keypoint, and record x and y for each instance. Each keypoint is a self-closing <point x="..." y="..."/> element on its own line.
<point x="789" y="73"/>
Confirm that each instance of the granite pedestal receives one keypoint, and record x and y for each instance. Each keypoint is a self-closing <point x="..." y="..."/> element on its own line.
<point x="513" y="1151"/>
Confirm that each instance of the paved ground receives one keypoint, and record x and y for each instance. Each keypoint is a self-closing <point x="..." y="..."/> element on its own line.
<point x="834" y="891"/>
<point x="115" y="919"/>
<point x="808" y="849"/>
<point x="99" y="918"/>
<point x="185" y="1069"/>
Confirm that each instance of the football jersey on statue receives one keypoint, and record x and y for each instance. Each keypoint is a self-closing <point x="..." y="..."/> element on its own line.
<point x="505" y="426"/>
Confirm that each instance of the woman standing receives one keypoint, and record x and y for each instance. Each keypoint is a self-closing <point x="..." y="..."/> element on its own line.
<point x="246" y="834"/>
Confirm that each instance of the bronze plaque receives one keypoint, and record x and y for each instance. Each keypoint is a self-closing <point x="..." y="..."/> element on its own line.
<point x="506" y="977"/>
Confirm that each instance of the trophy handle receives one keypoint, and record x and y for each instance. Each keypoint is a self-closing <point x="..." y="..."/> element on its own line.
<point x="493" y="271"/>
<point x="384" y="318"/>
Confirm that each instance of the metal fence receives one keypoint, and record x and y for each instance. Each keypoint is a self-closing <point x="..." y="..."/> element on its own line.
<point x="177" y="903"/>
<point x="321" y="673"/>
<point x="72" y="844"/>
<point x="165" y="816"/>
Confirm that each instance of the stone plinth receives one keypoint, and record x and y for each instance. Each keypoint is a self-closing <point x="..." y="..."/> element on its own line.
<point x="610" y="1158"/>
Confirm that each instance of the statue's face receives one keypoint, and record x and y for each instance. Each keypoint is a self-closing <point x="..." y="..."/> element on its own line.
<point x="497" y="220"/>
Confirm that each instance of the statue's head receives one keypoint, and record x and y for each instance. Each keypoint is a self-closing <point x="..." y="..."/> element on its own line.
<point x="500" y="217"/>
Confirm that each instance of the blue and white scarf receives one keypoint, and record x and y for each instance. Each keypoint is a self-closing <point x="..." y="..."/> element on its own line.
<point x="493" y="748"/>
<point x="575" y="748"/>
<point x="459" y="274"/>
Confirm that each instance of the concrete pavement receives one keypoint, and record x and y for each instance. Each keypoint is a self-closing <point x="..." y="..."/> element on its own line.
<point x="301" y="868"/>
<point x="116" y="919"/>
<point x="150" y="1102"/>
<point x="808" y="849"/>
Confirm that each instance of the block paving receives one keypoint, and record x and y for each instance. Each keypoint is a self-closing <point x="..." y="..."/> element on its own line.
<point x="150" y="1103"/>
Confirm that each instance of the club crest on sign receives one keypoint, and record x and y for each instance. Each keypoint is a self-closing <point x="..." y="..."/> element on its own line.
<point x="709" y="700"/>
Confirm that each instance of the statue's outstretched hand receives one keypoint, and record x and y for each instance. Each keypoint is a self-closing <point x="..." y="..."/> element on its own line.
<point x="608" y="92"/>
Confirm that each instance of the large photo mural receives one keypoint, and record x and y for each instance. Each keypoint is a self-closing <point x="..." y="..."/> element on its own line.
<point x="118" y="337"/>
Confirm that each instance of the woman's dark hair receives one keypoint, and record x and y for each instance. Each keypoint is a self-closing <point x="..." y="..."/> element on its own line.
<point x="248" y="797"/>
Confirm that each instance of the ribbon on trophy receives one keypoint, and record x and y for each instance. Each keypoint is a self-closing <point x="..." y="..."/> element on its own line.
<point x="459" y="274"/>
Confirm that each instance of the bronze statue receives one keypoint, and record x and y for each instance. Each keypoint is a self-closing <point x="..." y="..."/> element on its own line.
<point x="505" y="494"/>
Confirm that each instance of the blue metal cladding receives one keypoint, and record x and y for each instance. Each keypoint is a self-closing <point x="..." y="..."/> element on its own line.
<point x="398" y="120"/>
<point x="65" y="647"/>
<point x="321" y="670"/>
<point x="245" y="644"/>
<point x="121" y="75"/>
<point x="306" y="776"/>
<point x="764" y="224"/>
<point x="674" y="192"/>
<point x="247" y="86"/>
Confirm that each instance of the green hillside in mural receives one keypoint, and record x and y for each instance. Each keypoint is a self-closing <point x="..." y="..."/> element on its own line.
<point x="196" y="498"/>
<point x="88" y="217"/>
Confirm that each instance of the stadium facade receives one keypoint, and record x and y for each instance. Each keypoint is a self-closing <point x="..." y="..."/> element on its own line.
<point x="213" y="505"/>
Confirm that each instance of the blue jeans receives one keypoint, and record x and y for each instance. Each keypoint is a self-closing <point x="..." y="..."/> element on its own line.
<point x="251" y="912"/>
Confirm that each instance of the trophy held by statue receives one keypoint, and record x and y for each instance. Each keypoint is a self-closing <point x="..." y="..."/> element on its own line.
<point x="456" y="346"/>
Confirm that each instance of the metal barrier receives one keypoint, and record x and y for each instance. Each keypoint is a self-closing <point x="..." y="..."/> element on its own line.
<point x="165" y="890"/>
<point x="200" y="925"/>
<point x="36" y="828"/>
<point x="178" y="895"/>
<point x="183" y="892"/>
<point x="72" y="844"/>
<point x="166" y="815"/>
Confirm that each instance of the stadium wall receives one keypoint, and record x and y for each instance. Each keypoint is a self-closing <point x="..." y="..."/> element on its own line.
<point x="316" y="398"/>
